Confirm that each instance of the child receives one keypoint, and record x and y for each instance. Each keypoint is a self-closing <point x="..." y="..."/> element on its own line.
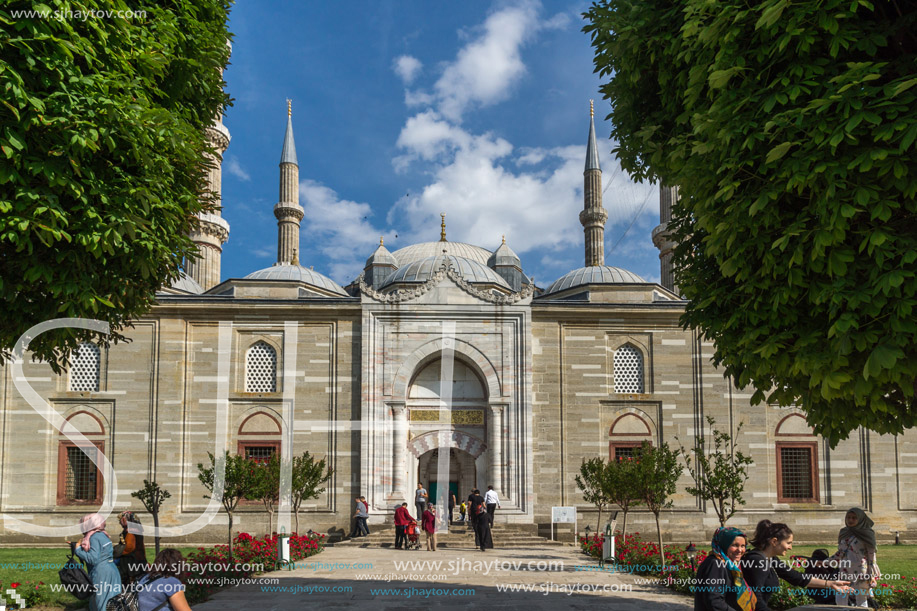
<point x="462" y="510"/>
<point x="856" y="556"/>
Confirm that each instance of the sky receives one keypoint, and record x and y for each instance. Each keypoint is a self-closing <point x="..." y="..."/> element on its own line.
<point x="405" y="110"/>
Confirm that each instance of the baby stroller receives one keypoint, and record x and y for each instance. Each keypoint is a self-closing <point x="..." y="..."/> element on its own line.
<point x="413" y="537"/>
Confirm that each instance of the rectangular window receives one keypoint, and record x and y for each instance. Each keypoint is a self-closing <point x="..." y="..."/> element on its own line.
<point x="78" y="479"/>
<point x="797" y="473"/>
<point x="622" y="449"/>
<point x="259" y="453"/>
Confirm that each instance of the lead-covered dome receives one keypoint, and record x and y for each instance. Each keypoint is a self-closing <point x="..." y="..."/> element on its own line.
<point x="597" y="274"/>
<point x="417" y="252"/>
<point x="422" y="270"/>
<point x="297" y="273"/>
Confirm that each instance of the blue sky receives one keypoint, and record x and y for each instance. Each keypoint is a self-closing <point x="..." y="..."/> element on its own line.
<point x="405" y="110"/>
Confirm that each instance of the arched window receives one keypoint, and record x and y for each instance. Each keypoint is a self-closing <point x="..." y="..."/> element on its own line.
<point x="261" y="368"/>
<point x="79" y="481"/>
<point x="628" y="369"/>
<point x="84" y="368"/>
<point x="797" y="461"/>
<point x="259" y="437"/>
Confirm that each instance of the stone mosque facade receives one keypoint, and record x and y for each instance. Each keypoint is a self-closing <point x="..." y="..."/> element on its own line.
<point x="542" y="378"/>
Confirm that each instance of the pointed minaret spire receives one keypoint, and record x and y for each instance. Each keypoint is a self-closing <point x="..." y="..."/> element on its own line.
<point x="593" y="216"/>
<point x="288" y="211"/>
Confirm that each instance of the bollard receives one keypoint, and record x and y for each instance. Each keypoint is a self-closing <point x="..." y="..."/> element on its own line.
<point x="283" y="549"/>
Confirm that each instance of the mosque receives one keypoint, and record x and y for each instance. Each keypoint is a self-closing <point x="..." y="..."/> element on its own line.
<point x="287" y="360"/>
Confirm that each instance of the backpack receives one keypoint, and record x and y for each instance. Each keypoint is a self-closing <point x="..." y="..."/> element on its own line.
<point x="129" y="598"/>
<point x="75" y="579"/>
<point x="479" y="509"/>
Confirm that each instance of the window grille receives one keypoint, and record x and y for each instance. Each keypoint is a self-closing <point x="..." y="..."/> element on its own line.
<point x="624" y="452"/>
<point x="261" y="368"/>
<point x="628" y="370"/>
<point x="81" y="475"/>
<point x="796" y="473"/>
<point x="84" y="368"/>
<point x="259" y="453"/>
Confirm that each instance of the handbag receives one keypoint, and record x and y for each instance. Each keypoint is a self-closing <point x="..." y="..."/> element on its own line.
<point x="129" y="599"/>
<point x="75" y="579"/>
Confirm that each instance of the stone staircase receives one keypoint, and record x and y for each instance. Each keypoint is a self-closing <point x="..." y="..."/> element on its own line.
<point x="460" y="536"/>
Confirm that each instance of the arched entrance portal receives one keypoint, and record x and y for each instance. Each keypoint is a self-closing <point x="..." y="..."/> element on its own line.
<point x="461" y="475"/>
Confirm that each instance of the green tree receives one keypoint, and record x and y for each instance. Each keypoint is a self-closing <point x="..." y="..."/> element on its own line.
<point x="719" y="475"/>
<point x="790" y="129"/>
<point x="152" y="497"/>
<point x="266" y="487"/>
<point x="308" y="477"/>
<point x="238" y="483"/>
<point x="591" y="480"/>
<point x="102" y="158"/>
<point x="620" y="486"/>
<point x="656" y="472"/>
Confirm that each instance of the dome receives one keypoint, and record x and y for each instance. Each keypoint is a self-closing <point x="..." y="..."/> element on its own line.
<point x="504" y="256"/>
<point x="598" y="274"/>
<point x="187" y="284"/>
<point x="297" y="273"/>
<point x="416" y="252"/>
<point x="423" y="270"/>
<point x="381" y="256"/>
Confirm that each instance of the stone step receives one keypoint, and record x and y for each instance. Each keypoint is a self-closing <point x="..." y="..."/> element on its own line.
<point x="504" y="536"/>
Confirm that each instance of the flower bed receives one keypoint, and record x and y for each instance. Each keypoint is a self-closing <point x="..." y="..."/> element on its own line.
<point x="210" y="569"/>
<point x="900" y="594"/>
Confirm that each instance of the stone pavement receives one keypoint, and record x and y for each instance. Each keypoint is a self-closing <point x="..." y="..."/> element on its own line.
<point x="379" y="579"/>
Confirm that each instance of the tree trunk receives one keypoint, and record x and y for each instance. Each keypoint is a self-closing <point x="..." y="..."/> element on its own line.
<point x="156" y="524"/>
<point x="270" y="522"/>
<point x="230" y="534"/>
<point x="624" y="528"/>
<point x="296" y="514"/>
<point x="661" y="549"/>
<point x="598" y="527"/>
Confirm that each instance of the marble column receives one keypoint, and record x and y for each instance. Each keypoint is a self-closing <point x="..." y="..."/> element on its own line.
<point x="399" y="448"/>
<point x="495" y="442"/>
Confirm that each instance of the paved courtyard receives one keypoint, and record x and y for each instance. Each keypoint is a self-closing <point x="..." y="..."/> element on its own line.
<point x="372" y="578"/>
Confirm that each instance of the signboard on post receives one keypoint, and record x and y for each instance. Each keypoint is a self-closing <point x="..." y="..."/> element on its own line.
<point x="563" y="515"/>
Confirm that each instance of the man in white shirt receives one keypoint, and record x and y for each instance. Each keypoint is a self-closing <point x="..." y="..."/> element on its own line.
<point x="492" y="502"/>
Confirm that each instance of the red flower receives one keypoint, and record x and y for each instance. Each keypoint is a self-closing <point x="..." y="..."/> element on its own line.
<point x="14" y="585"/>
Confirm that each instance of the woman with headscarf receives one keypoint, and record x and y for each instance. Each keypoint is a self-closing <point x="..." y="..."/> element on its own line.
<point x="130" y="552"/>
<point x="856" y="557"/>
<point x="719" y="585"/>
<point x="95" y="549"/>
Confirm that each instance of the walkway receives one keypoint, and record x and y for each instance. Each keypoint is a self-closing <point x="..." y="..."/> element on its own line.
<point x="379" y="579"/>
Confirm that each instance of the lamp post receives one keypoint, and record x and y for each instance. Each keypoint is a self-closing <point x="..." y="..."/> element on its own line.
<point x="588" y="530"/>
<point x="691" y="552"/>
<point x="897" y="537"/>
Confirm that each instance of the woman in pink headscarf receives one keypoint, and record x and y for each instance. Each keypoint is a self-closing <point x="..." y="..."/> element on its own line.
<point x="95" y="550"/>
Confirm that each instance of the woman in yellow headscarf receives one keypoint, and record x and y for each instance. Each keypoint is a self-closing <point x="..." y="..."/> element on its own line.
<point x="719" y="585"/>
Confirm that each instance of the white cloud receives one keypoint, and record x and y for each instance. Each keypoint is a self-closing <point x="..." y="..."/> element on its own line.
<point x="486" y="69"/>
<point x="407" y="68"/>
<point x="232" y="165"/>
<point x="341" y="227"/>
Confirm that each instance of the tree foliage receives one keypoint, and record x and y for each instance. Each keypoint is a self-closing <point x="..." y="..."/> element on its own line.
<point x="720" y="474"/>
<point x="308" y="476"/>
<point x="790" y="130"/>
<point x="266" y="487"/>
<point x="656" y="472"/>
<point x="152" y="496"/>
<point x="238" y="483"/>
<point x="102" y="157"/>
<point x="592" y="481"/>
<point x="621" y="486"/>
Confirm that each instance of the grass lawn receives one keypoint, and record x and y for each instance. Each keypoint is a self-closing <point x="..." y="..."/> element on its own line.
<point x="900" y="559"/>
<point x="49" y="561"/>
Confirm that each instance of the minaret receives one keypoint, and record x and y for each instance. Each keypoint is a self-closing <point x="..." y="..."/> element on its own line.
<point x="288" y="211"/>
<point x="593" y="216"/>
<point x="662" y="236"/>
<point x="212" y="230"/>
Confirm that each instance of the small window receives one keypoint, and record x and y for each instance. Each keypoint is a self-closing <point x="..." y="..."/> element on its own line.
<point x="261" y="368"/>
<point x="628" y="370"/>
<point x="79" y="481"/>
<point x="797" y="473"/>
<point x="622" y="450"/>
<point x="259" y="453"/>
<point x="84" y="368"/>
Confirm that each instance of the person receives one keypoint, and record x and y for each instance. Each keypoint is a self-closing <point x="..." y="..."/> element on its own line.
<point x="402" y="519"/>
<point x="95" y="549"/>
<point x="477" y="512"/>
<point x="359" y="520"/>
<point x="429" y="526"/>
<point x="816" y="568"/>
<point x="130" y="553"/>
<point x="856" y="557"/>
<point x="463" y="508"/>
<point x="161" y="589"/>
<point x="492" y="502"/>
<point x="420" y="499"/>
<point x="364" y="519"/>
<point x="720" y="585"/>
<point x="451" y="505"/>
<point x="482" y="534"/>
<point x="763" y="570"/>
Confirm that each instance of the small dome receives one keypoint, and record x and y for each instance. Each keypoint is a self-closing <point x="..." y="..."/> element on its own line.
<point x="297" y="273"/>
<point x="598" y="274"/>
<point x="381" y="256"/>
<point x="187" y="284"/>
<point x="416" y="252"/>
<point x="504" y="256"/>
<point x="423" y="270"/>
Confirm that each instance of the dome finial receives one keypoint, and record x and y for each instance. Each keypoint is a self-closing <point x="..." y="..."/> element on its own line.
<point x="504" y="238"/>
<point x="442" y="228"/>
<point x="295" y="260"/>
<point x="591" y="110"/>
<point x="289" y="107"/>
<point x="381" y="242"/>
